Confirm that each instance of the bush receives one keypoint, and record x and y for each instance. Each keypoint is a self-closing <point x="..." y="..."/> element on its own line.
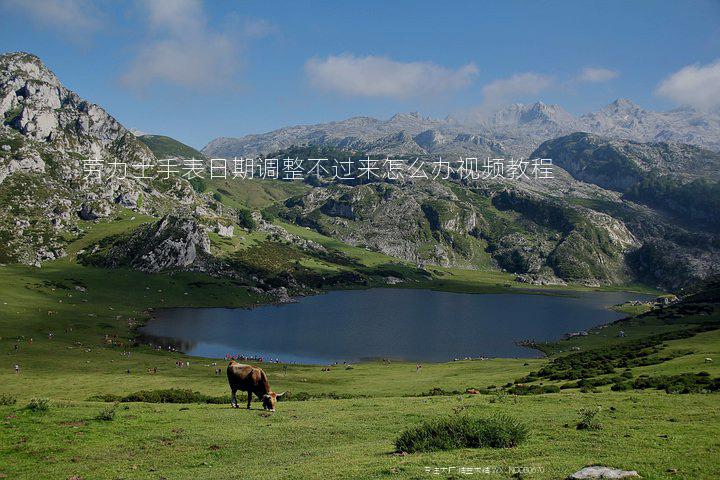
<point x="7" y="399"/>
<point x="621" y="387"/>
<point x="107" y="414"/>
<point x="604" y="361"/>
<point x="682" y="383"/>
<point x="268" y="216"/>
<point x="462" y="431"/>
<point x="172" y="395"/>
<point x="588" y="419"/>
<point x="38" y="405"/>
<point x="245" y="220"/>
<point x="439" y="392"/>
<point x="198" y="184"/>
<point x="533" y="389"/>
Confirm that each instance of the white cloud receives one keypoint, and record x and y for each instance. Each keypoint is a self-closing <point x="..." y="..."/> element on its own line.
<point x="590" y="74"/>
<point x="74" y="19"/>
<point x="182" y="49"/>
<point x="695" y="85"/>
<point x="259" y="28"/>
<point x="520" y="84"/>
<point x="372" y="76"/>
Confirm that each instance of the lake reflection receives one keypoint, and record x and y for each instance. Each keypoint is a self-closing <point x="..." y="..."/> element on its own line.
<point x="415" y="325"/>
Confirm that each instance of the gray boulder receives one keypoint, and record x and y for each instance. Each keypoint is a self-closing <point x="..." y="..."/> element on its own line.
<point x="603" y="472"/>
<point x="129" y="199"/>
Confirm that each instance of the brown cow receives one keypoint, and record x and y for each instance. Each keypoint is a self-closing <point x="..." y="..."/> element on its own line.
<point x="251" y="380"/>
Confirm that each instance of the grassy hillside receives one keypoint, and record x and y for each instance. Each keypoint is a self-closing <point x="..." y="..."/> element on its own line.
<point x="166" y="147"/>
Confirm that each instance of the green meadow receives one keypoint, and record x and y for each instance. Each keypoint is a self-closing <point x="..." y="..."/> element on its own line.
<point x="340" y="423"/>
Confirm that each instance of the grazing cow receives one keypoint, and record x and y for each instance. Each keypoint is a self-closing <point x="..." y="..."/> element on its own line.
<point x="251" y="380"/>
<point x="708" y="360"/>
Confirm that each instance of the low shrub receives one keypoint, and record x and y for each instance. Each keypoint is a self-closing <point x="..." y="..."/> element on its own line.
<point x="107" y="414"/>
<point x="533" y="389"/>
<point x="171" y="395"/>
<point x="461" y="431"/>
<point x="605" y="360"/>
<point x="438" y="392"/>
<point x="38" y="405"/>
<point x="7" y="399"/>
<point x="682" y="383"/>
<point x="245" y="219"/>
<point x="621" y="387"/>
<point x="174" y="395"/>
<point x="589" y="420"/>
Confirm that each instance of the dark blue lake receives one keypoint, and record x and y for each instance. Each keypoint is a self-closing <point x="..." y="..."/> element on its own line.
<point x="415" y="325"/>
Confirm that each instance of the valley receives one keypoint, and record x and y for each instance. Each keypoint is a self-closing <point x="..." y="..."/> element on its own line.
<point x="86" y="261"/>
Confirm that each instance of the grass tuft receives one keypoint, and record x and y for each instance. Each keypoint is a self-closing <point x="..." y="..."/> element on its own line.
<point x="38" y="405"/>
<point x="463" y="431"/>
<point x="589" y="420"/>
<point x="107" y="414"/>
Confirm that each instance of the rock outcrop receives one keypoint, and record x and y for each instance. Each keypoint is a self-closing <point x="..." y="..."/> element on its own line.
<point x="173" y="243"/>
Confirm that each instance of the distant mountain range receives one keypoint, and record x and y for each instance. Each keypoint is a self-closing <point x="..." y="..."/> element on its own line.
<point x="514" y="130"/>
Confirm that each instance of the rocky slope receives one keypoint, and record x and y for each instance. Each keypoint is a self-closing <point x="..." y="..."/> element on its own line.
<point x="482" y="225"/>
<point x="48" y="138"/>
<point x="673" y="177"/>
<point x="173" y="243"/>
<point x="616" y="211"/>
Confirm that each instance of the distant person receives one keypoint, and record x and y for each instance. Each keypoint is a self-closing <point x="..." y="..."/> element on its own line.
<point x="418" y="367"/>
<point x="17" y="369"/>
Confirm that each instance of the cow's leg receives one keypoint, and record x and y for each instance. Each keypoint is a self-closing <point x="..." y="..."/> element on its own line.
<point x="249" y="399"/>
<point x="233" y="401"/>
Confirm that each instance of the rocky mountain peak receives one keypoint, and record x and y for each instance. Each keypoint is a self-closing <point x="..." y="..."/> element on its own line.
<point x="406" y="116"/>
<point x="34" y="102"/>
<point x="48" y="132"/>
<point x="23" y="64"/>
<point x="518" y="114"/>
<point x="429" y="139"/>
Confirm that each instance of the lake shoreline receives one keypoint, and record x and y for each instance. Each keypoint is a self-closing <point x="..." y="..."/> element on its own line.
<point x="308" y="309"/>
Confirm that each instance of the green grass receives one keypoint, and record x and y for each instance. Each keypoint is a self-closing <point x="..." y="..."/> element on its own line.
<point x="350" y="439"/>
<point x="92" y="312"/>
<point x="165" y="147"/>
<point x="462" y="431"/>
<point x="254" y="194"/>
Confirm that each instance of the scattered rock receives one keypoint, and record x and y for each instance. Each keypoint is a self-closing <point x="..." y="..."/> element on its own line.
<point x="129" y="200"/>
<point x="603" y="472"/>
<point x="225" y="230"/>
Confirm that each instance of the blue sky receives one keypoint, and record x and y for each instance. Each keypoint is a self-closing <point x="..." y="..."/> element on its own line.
<point x="195" y="70"/>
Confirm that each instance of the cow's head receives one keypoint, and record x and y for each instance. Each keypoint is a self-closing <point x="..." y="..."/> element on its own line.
<point x="269" y="400"/>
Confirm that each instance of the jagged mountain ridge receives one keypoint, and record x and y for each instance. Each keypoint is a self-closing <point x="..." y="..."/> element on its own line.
<point x="48" y="135"/>
<point x="514" y="130"/>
